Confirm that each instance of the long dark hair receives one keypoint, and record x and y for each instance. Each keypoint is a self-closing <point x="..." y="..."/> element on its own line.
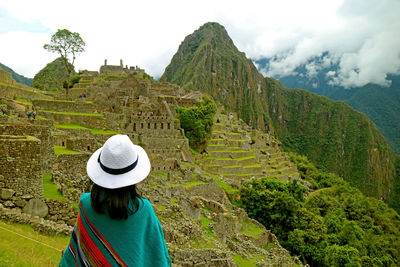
<point x="115" y="202"/>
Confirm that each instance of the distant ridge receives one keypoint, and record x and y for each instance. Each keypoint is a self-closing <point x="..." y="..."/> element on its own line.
<point x="17" y="77"/>
<point x="331" y="134"/>
<point x="381" y="104"/>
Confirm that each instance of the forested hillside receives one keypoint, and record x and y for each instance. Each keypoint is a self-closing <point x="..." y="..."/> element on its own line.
<point x="334" y="136"/>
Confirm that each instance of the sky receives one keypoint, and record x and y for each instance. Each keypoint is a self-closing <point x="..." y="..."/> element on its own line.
<point x="361" y="36"/>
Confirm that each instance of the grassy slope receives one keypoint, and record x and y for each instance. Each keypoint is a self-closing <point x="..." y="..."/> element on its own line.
<point x="19" y="251"/>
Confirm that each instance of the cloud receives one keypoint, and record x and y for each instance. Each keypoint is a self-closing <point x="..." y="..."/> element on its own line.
<point x="365" y="44"/>
<point x="361" y="36"/>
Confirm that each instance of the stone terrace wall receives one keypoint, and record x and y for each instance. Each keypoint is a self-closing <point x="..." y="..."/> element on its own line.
<point x="20" y="165"/>
<point x="39" y="224"/>
<point x="84" y="120"/>
<point x="11" y="91"/>
<point x="69" y="173"/>
<point x="64" y="106"/>
<point x="39" y="131"/>
<point x="82" y="144"/>
<point x="6" y="77"/>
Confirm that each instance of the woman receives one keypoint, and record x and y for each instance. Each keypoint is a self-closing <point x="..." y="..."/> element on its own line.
<point x="115" y="226"/>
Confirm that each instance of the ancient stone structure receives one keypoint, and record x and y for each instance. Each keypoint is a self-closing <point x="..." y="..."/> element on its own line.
<point x="120" y="69"/>
<point x="46" y="144"/>
<point x="20" y="165"/>
<point x="201" y="226"/>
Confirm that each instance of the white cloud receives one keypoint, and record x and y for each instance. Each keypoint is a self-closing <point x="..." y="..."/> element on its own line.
<point x="361" y="35"/>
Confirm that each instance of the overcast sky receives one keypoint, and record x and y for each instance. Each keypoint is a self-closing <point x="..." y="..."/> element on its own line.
<point x="362" y="36"/>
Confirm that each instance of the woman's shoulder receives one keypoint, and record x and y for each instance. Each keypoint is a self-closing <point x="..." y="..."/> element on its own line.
<point x="85" y="198"/>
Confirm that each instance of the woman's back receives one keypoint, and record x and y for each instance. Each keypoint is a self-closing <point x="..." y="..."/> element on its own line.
<point x="138" y="240"/>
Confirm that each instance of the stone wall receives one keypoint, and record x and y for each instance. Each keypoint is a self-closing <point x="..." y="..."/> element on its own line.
<point x="159" y="125"/>
<point x="85" y="120"/>
<point x="61" y="212"/>
<point x="69" y="173"/>
<point x="6" y="77"/>
<point x="64" y="106"/>
<point x="39" y="131"/>
<point x="11" y="91"/>
<point x="39" y="224"/>
<point x="82" y="144"/>
<point x="21" y="172"/>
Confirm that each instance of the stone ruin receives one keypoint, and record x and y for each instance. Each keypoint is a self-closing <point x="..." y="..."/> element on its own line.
<point x="181" y="186"/>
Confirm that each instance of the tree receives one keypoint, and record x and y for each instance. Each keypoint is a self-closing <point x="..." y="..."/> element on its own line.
<point x="197" y="122"/>
<point x="68" y="45"/>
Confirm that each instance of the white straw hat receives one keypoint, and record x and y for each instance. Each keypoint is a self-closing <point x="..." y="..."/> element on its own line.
<point x="118" y="163"/>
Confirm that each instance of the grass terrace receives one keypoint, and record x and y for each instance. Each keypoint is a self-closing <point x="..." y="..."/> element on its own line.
<point x="250" y="229"/>
<point x="74" y="113"/>
<point x="93" y="130"/>
<point x="63" y="150"/>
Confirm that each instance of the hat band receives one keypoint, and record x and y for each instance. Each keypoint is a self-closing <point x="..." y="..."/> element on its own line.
<point x="118" y="171"/>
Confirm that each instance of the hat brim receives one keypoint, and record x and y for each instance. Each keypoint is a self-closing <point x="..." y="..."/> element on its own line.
<point x="112" y="181"/>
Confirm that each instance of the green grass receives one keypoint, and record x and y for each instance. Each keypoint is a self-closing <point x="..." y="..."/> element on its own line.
<point x="194" y="152"/>
<point x="214" y="145"/>
<point x="200" y="243"/>
<point x="50" y="189"/>
<point x="218" y="131"/>
<point x="243" y="262"/>
<point x="102" y="131"/>
<point x="70" y="126"/>
<point x="211" y="165"/>
<point x="93" y="130"/>
<point x="244" y="158"/>
<point x="252" y="166"/>
<point x="192" y="183"/>
<point x="19" y="251"/>
<point x="23" y="101"/>
<point x="74" y="113"/>
<point x="205" y="223"/>
<point x="62" y="150"/>
<point x="250" y="229"/>
<point x="231" y="166"/>
<point x="228" y="189"/>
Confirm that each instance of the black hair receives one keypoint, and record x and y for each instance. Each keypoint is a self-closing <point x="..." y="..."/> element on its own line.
<point x="115" y="202"/>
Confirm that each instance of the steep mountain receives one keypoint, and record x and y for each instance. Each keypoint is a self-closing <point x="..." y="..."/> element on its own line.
<point x="381" y="104"/>
<point x="207" y="60"/>
<point x="51" y="77"/>
<point x="331" y="134"/>
<point x="17" y="77"/>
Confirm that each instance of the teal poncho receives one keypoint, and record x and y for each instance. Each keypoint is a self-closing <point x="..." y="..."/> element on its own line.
<point x="136" y="241"/>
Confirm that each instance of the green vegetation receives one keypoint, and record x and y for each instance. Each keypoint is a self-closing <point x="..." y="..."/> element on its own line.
<point x="73" y="113"/>
<point x="67" y="45"/>
<point x="197" y="122"/>
<point x="243" y="262"/>
<point x="63" y="150"/>
<point x="250" y="229"/>
<point x="205" y="223"/>
<point x="335" y="225"/>
<point x="50" y="189"/>
<point x="17" y="77"/>
<point x="19" y="251"/>
<point x="51" y="77"/>
<point x="332" y="135"/>
<point x="93" y="130"/>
